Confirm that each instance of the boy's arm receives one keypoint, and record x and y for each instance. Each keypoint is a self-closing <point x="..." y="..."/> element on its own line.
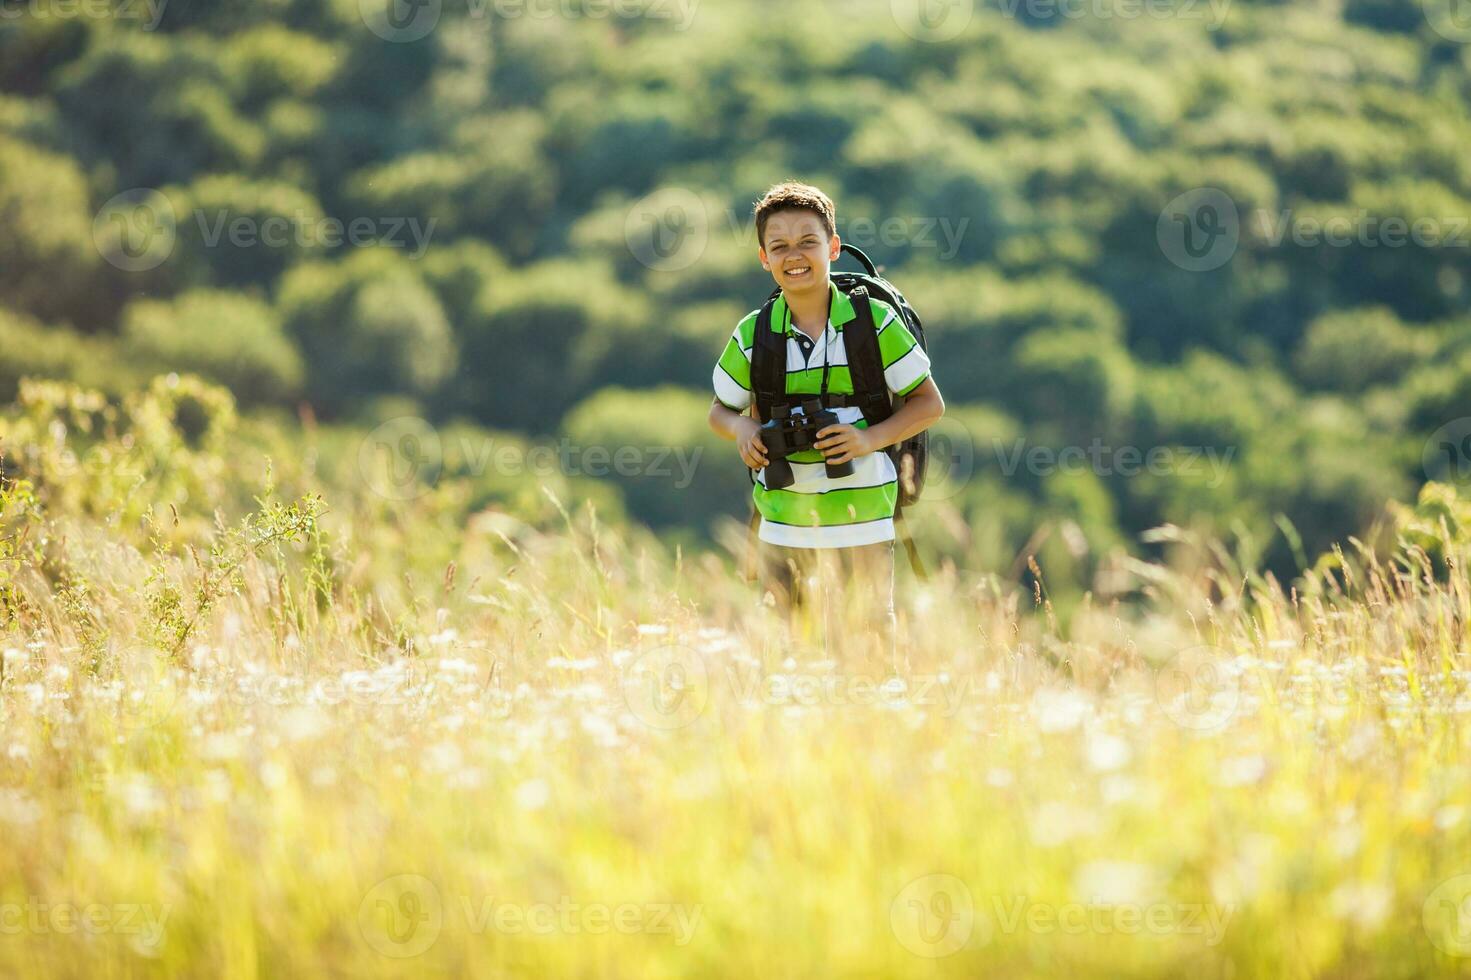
<point x="907" y="374"/>
<point x="742" y="428"/>
<point x="727" y="422"/>
<point x="922" y="408"/>
<point x="732" y="380"/>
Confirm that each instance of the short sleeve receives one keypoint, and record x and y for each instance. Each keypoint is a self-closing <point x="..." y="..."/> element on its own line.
<point x="732" y="376"/>
<point x="906" y="365"/>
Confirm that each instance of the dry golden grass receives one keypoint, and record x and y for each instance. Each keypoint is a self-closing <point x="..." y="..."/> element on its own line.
<point x="388" y="745"/>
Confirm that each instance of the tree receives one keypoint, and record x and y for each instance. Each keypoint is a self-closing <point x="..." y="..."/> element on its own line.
<point x="227" y="337"/>
<point x="367" y="325"/>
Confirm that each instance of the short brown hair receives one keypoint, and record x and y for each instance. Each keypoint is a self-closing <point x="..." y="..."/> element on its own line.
<point x="794" y="195"/>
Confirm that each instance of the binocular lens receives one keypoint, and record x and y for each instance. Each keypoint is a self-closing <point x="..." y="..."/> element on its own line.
<point x="779" y="474"/>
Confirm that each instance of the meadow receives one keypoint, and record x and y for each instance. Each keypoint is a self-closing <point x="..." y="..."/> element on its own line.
<point x="314" y="732"/>
<point x="304" y="671"/>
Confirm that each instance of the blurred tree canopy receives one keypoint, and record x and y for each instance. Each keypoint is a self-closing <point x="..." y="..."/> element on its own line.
<point x="536" y="219"/>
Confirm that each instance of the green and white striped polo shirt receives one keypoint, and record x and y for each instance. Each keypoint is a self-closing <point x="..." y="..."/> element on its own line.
<point x="815" y="511"/>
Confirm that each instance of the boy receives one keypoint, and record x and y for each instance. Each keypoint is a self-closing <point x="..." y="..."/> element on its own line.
<point x="835" y="526"/>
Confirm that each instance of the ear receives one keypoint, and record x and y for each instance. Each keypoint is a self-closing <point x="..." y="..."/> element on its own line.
<point x="834" y="248"/>
<point x="765" y="262"/>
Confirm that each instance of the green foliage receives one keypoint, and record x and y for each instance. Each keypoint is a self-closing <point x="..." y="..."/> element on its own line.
<point x="47" y="258"/>
<point x="19" y="515"/>
<point x="30" y="349"/>
<point x="157" y="109"/>
<point x="540" y="340"/>
<point x="176" y="614"/>
<point x="368" y="324"/>
<point x="489" y="181"/>
<point x="271" y="62"/>
<point x="1437" y="393"/>
<point x="656" y="446"/>
<point x="161" y="446"/>
<point x="233" y="232"/>
<point x="1438" y="522"/>
<point x="1351" y="350"/>
<point x="1073" y="377"/>
<point x="1012" y="180"/>
<point x="225" y="336"/>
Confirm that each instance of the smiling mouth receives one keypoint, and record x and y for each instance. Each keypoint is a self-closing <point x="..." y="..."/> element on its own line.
<point x="800" y="271"/>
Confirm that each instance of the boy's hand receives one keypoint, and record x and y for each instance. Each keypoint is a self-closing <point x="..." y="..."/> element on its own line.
<point x="753" y="450"/>
<point x="842" y="442"/>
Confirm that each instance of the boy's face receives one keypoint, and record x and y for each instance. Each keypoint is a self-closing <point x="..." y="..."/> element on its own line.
<point x="798" y="251"/>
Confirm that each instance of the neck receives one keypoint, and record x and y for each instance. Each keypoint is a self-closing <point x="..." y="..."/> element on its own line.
<point x="809" y="308"/>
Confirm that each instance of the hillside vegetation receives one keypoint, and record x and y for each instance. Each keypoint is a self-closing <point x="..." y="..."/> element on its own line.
<point x="1232" y="236"/>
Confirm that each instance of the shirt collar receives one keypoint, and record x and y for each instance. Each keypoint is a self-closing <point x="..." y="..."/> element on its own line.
<point x="842" y="310"/>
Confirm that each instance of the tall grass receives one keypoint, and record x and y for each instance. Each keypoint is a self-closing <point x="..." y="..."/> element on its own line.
<point x="273" y="726"/>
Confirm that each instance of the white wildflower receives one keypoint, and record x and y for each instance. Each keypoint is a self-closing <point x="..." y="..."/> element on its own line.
<point x="533" y="794"/>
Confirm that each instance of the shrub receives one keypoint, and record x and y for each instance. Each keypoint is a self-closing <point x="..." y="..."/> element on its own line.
<point x="228" y="337"/>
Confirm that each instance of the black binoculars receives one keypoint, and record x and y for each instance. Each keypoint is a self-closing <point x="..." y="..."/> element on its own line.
<point x="786" y="433"/>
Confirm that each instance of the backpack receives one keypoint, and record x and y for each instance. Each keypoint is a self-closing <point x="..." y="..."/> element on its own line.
<point x="865" y="366"/>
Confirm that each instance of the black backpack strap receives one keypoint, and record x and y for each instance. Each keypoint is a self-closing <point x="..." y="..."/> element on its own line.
<point x="750" y="571"/>
<point x="865" y="363"/>
<point x="768" y="363"/>
<point x="901" y="526"/>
